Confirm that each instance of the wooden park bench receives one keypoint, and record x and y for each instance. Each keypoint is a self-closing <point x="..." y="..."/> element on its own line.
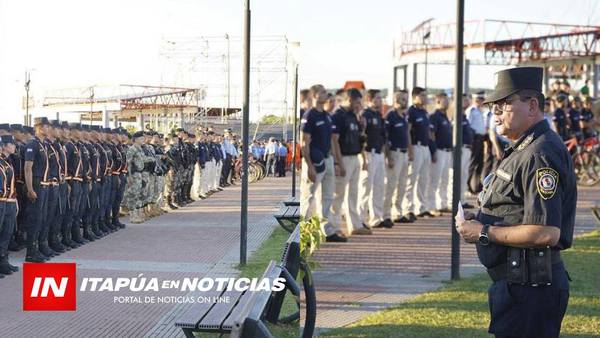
<point x="288" y="217"/>
<point x="244" y="315"/>
<point x="292" y="202"/>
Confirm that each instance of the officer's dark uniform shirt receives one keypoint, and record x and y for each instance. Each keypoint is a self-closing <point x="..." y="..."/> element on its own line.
<point x="62" y="158"/>
<point x="419" y="122"/>
<point x="575" y="117"/>
<point x="467" y="132"/>
<point x="202" y="154"/>
<point x="86" y="169"/>
<point x="6" y="180"/>
<point x="16" y="160"/>
<point x="123" y="150"/>
<point x="397" y="130"/>
<point x="560" y="118"/>
<point x="374" y="129"/>
<point x="442" y="129"/>
<point x="319" y="125"/>
<point x="53" y="160"/>
<point x="93" y="157"/>
<point x="36" y="152"/>
<point x="348" y="128"/>
<point x="101" y="160"/>
<point x="535" y="185"/>
<point x="74" y="161"/>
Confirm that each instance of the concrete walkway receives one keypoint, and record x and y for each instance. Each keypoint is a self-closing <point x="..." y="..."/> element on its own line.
<point x="199" y="240"/>
<point x="371" y="273"/>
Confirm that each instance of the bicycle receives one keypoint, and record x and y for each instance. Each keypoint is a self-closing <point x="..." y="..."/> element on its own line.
<point x="586" y="161"/>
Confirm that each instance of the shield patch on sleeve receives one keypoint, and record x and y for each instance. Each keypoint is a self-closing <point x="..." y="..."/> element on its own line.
<point x="547" y="182"/>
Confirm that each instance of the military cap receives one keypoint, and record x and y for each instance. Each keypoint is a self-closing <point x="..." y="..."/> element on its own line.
<point x="95" y="128"/>
<point x="16" y="127"/>
<point x="55" y="123"/>
<point x="511" y="81"/>
<point x="85" y="127"/>
<point x="138" y="134"/>
<point x="41" y="121"/>
<point x="65" y="125"/>
<point x="28" y="129"/>
<point x="116" y="131"/>
<point x="5" y="126"/>
<point x="7" y="139"/>
<point x="107" y="130"/>
<point x="74" y="125"/>
<point x="180" y="130"/>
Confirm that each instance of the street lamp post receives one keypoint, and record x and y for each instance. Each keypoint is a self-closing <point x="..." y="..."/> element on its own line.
<point x="245" y="122"/>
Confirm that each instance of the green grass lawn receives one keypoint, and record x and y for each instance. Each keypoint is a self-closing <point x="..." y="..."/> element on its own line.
<point x="271" y="249"/>
<point x="460" y="308"/>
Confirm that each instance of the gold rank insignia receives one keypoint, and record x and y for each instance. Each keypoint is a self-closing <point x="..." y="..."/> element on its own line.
<point x="547" y="182"/>
<point x="525" y="142"/>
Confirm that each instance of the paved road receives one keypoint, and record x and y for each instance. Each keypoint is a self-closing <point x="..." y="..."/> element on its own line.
<point x="371" y="273"/>
<point x="199" y="240"/>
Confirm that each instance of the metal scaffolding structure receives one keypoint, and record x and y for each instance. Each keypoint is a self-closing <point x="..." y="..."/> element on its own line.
<point x="564" y="50"/>
<point x="214" y="64"/>
<point x="160" y="108"/>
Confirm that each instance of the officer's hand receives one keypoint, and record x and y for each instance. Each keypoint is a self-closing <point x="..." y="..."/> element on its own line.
<point x="312" y="174"/>
<point x="342" y="171"/>
<point x="433" y="158"/>
<point x="469" y="230"/>
<point x="390" y="163"/>
<point x="32" y="195"/>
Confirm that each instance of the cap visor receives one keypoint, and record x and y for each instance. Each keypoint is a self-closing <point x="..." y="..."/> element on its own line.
<point x="498" y="95"/>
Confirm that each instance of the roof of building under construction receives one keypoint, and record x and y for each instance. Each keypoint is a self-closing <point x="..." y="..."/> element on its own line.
<point x="503" y="42"/>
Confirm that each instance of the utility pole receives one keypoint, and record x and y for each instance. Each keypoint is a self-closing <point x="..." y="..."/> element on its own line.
<point x="27" y="84"/>
<point x="295" y="133"/>
<point x="245" y="122"/>
<point x="457" y="137"/>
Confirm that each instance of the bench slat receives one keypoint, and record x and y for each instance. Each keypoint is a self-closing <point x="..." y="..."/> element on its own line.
<point x="196" y="312"/>
<point x="213" y="320"/>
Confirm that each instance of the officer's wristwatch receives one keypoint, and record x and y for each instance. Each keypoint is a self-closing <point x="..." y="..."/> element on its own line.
<point x="483" y="235"/>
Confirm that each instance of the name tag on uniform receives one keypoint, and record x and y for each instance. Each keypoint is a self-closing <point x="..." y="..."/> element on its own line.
<point x="319" y="123"/>
<point x="29" y="150"/>
<point x="503" y="175"/>
<point x="353" y="126"/>
<point x="375" y="121"/>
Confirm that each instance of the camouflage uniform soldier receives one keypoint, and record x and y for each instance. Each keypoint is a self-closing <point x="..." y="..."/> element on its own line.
<point x="162" y="168"/>
<point x="134" y="194"/>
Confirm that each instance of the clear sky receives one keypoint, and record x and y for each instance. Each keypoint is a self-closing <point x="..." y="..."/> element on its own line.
<point x="72" y="43"/>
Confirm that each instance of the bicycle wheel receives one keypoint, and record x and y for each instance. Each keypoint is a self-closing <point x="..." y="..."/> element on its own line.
<point x="587" y="168"/>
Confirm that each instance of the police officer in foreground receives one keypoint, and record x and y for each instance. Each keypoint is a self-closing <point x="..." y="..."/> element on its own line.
<point x="527" y="213"/>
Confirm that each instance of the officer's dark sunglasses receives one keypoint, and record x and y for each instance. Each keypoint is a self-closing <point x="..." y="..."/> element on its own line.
<point x="502" y="105"/>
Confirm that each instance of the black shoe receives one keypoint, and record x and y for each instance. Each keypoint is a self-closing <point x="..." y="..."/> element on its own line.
<point x="336" y="238"/>
<point x="34" y="256"/>
<point x="467" y="206"/>
<point x="387" y="223"/>
<point x="5" y="268"/>
<point x="426" y="214"/>
<point x="13" y="246"/>
<point x="88" y="234"/>
<point x="104" y="229"/>
<point x="412" y="217"/>
<point x="403" y="219"/>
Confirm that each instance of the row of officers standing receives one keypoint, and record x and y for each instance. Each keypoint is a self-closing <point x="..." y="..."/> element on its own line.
<point x="362" y="170"/>
<point x="63" y="184"/>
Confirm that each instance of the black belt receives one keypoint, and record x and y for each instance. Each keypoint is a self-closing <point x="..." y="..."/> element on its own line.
<point x="373" y="149"/>
<point x="500" y="272"/>
<point x="403" y="150"/>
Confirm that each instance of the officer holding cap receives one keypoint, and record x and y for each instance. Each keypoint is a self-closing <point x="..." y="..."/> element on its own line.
<point x="527" y="213"/>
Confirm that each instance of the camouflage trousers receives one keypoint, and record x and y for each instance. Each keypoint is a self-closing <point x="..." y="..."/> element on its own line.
<point x="145" y="187"/>
<point x="158" y="189"/>
<point x="170" y="183"/>
<point x="134" y="191"/>
<point x="151" y="197"/>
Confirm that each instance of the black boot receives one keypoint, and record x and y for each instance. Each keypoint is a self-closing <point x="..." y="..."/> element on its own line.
<point x="103" y="228"/>
<point x="76" y="235"/>
<point x="118" y="223"/>
<point x="6" y="266"/>
<point x="96" y="230"/>
<point x="170" y="203"/>
<point x="55" y="244"/>
<point x="69" y="242"/>
<point x="13" y="245"/>
<point x="88" y="234"/>
<point x="45" y="249"/>
<point x="33" y="254"/>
